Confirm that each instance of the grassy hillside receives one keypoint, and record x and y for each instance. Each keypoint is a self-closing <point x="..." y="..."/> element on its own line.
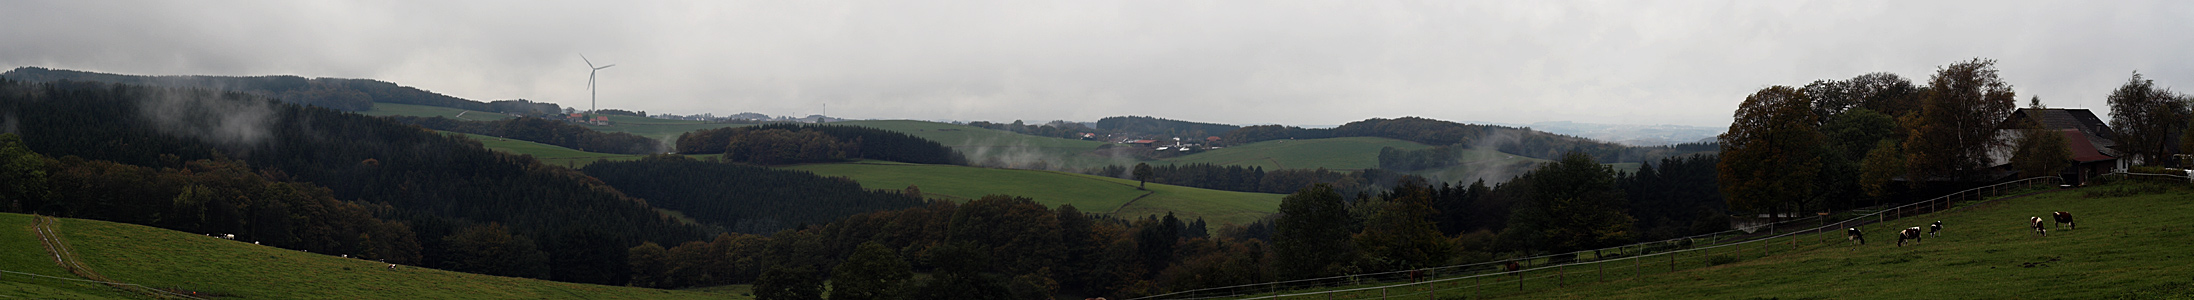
<point x="548" y="154"/>
<point x="2125" y="246"/>
<point x="175" y="260"/>
<point x="26" y="255"/>
<point x="393" y="109"/>
<point x="1090" y="193"/>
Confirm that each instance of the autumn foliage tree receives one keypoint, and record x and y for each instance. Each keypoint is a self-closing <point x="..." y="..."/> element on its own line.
<point x="1771" y="154"/>
<point x="2145" y="118"/>
<point x="1956" y="126"/>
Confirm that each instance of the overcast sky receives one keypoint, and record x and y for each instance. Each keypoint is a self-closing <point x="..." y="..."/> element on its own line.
<point x="1237" y="62"/>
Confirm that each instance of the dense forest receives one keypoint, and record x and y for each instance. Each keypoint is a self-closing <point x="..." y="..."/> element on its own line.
<point x="745" y="198"/>
<point x="545" y="131"/>
<point x="812" y="143"/>
<point x="470" y="209"/>
<point x="1162" y="127"/>
<point x="216" y="197"/>
<point x="333" y="93"/>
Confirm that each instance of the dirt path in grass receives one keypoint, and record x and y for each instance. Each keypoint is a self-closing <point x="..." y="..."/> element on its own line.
<point x="64" y="256"/>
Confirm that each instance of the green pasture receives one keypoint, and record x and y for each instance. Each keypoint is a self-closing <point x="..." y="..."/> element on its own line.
<point x="188" y="262"/>
<point x="547" y="154"/>
<point x="1089" y="193"/>
<point x="2130" y="244"/>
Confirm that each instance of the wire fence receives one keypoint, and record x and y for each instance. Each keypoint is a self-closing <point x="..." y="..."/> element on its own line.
<point x="1512" y="276"/>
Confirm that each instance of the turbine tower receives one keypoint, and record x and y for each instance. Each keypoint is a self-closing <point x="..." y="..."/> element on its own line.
<point x="591" y="103"/>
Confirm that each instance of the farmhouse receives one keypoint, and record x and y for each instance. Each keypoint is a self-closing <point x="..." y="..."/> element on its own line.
<point x="2090" y="139"/>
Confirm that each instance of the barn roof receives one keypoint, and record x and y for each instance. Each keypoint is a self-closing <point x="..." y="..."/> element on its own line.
<point x="2093" y="130"/>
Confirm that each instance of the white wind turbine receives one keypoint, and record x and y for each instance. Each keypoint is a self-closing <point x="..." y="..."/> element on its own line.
<point x="592" y="104"/>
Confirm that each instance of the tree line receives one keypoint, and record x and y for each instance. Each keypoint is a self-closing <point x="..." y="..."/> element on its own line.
<point x="209" y="196"/>
<point x="744" y="198"/>
<point x="1163" y="127"/>
<point x="333" y="93"/>
<point x="453" y="193"/>
<point x="777" y="143"/>
<point x="1000" y="247"/>
<point x="545" y="131"/>
<point x="1057" y="129"/>
<point x="1512" y="140"/>
<point x="1838" y="144"/>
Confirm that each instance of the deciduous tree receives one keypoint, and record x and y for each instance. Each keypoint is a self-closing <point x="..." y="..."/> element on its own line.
<point x="1949" y="138"/>
<point x="2145" y="118"/>
<point x="1310" y="222"/>
<point x="872" y="272"/>
<point x="1771" y="154"/>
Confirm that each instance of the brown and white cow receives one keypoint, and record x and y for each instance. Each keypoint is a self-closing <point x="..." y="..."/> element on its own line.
<point x="1908" y="234"/>
<point x="1855" y="235"/>
<point x="2036" y="223"/>
<point x="2064" y="219"/>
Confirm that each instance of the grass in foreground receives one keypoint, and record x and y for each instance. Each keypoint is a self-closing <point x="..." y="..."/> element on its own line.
<point x="2126" y="247"/>
<point x="1089" y="193"/>
<point x="24" y="254"/>
<point x="168" y="259"/>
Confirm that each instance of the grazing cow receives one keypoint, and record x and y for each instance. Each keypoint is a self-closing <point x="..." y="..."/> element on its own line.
<point x="1513" y="266"/>
<point x="392" y="266"/>
<point x="1854" y="235"/>
<point x="2064" y="219"/>
<point x="1908" y="234"/>
<point x="228" y="236"/>
<point x="1935" y="228"/>
<point x="2036" y="223"/>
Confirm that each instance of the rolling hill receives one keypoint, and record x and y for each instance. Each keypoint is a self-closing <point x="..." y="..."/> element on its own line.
<point x="659" y="129"/>
<point x="1001" y="148"/>
<point x="1087" y="192"/>
<point x="216" y="268"/>
<point x="1348" y="153"/>
<point x="393" y="109"/>
<point x="548" y="154"/>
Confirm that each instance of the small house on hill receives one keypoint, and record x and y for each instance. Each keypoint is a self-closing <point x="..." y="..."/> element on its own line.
<point x="2092" y="143"/>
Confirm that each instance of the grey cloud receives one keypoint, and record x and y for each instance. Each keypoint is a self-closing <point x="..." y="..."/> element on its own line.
<point x="1243" y="62"/>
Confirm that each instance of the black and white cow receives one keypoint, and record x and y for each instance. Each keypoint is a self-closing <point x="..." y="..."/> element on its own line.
<point x="1908" y="234"/>
<point x="1855" y="235"/>
<point x="2064" y="219"/>
<point x="2036" y="223"/>
<point x="1933" y="230"/>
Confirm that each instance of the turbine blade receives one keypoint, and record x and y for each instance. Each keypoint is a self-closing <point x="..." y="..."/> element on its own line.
<point x="583" y="57"/>
<point x="606" y="67"/>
